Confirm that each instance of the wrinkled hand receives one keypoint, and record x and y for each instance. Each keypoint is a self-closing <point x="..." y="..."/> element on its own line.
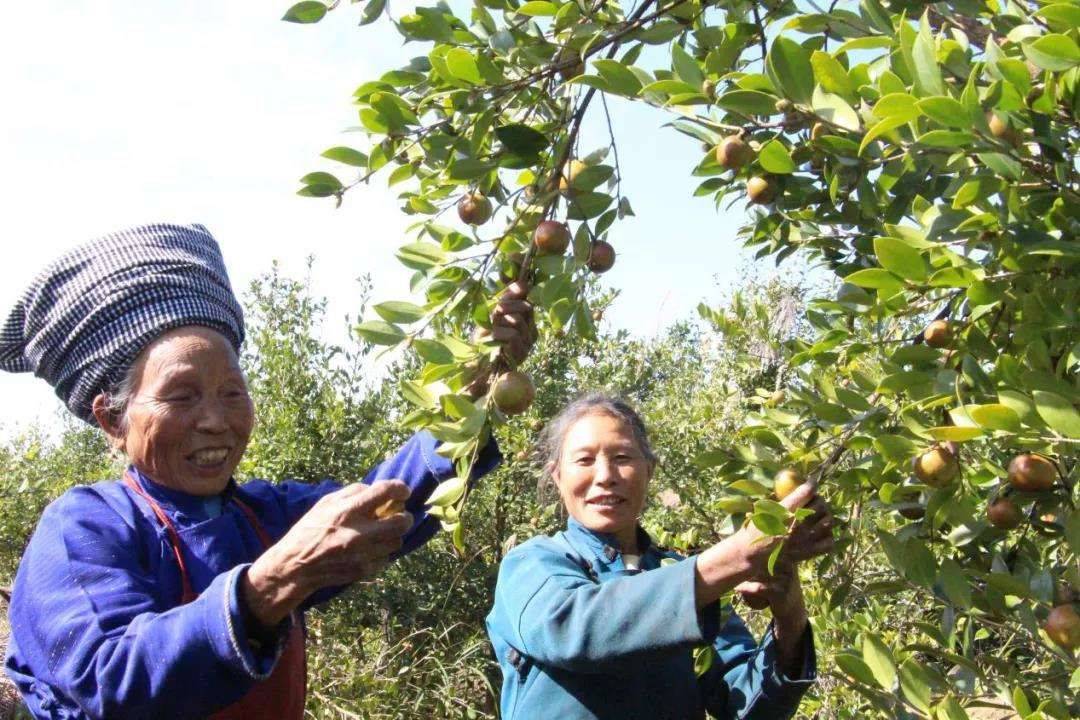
<point x="809" y="538"/>
<point x="340" y="540"/>
<point x="781" y="591"/>
<point x="512" y="322"/>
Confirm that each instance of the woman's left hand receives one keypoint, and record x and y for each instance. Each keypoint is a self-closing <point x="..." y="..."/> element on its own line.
<point x="781" y="592"/>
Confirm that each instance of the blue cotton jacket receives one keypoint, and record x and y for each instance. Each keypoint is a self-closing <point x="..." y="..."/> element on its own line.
<point x="97" y="629"/>
<point x="579" y="636"/>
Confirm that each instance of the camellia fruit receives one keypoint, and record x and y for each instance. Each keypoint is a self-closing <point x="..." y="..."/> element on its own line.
<point x="733" y="152"/>
<point x="786" y="481"/>
<point x="937" y="467"/>
<point x="1063" y="627"/>
<point x="760" y="190"/>
<point x="392" y="506"/>
<point x="474" y="209"/>
<point x="938" y="334"/>
<point x="513" y="392"/>
<point x="1032" y="473"/>
<point x="602" y="257"/>
<point x="1003" y="514"/>
<point x="551" y="237"/>
<point x="1001" y="129"/>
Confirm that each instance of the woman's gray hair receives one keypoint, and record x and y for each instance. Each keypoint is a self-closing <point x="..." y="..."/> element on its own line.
<point x="596" y="403"/>
<point x="118" y="396"/>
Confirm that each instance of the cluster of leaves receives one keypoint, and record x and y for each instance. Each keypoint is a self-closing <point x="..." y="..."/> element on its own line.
<point x="923" y="154"/>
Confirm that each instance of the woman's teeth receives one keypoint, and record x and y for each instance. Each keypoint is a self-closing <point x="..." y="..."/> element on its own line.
<point x="608" y="501"/>
<point x="210" y="457"/>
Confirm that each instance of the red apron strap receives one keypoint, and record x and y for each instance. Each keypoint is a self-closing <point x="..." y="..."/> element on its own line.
<point x="174" y="538"/>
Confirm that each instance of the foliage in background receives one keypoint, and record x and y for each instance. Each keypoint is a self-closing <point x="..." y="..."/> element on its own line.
<point x="922" y="154"/>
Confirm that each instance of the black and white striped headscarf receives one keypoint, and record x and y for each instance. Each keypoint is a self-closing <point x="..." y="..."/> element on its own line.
<point x="87" y="315"/>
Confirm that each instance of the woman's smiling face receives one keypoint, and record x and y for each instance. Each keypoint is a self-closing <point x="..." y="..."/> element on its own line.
<point x="190" y="415"/>
<point x="602" y="476"/>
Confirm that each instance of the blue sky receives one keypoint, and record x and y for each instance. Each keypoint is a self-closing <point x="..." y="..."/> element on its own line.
<point x="120" y="113"/>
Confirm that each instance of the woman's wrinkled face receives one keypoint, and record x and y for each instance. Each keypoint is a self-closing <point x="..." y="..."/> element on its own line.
<point x="190" y="415"/>
<point x="602" y="475"/>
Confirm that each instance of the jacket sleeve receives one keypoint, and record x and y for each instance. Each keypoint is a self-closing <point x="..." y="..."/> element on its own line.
<point x="88" y="623"/>
<point x="548" y="609"/>
<point x="745" y="681"/>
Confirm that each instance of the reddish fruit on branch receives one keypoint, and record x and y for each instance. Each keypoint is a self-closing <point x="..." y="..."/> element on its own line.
<point x="760" y="190"/>
<point x="937" y="467"/>
<point x="1032" y="473"/>
<point x="551" y="237"/>
<point x="513" y="392"/>
<point x="786" y="481"/>
<point x="1063" y="627"/>
<point x="1003" y="514"/>
<point x="733" y="152"/>
<point x="601" y="257"/>
<point x="938" y="334"/>
<point x="474" y="209"/>
<point x="569" y="174"/>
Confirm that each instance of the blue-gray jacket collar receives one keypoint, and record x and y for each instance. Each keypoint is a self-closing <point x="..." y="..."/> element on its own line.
<point x="600" y="545"/>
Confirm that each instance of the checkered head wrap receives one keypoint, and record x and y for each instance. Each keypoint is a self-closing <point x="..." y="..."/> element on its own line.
<point x="86" y="316"/>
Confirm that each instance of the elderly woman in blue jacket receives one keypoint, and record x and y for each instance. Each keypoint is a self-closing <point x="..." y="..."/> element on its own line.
<point x="176" y="592"/>
<point x="597" y="622"/>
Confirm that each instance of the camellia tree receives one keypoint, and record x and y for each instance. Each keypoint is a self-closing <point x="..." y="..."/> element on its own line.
<point x="923" y="153"/>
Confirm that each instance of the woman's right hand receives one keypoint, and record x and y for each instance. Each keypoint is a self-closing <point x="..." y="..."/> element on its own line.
<point x="744" y="556"/>
<point x="342" y="539"/>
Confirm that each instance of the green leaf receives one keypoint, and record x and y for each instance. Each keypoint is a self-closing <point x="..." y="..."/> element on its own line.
<point x="380" y="333"/>
<point x="587" y="205"/>
<point x="538" y="8"/>
<point x="619" y="78"/>
<point x="834" y="109"/>
<point x="391" y="108"/>
<point x="854" y="666"/>
<point x="774" y="158"/>
<point x="954" y="583"/>
<point x="994" y="417"/>
<point x="1061" y="15"/>
<point x="448" y="492"/>
<point x="924" y="56"/>
<point x="747" y="102"/>
<point x="768" y="523"/>
<point x="433" y="351"/>
<point x="915" y="684"/>
<point x="398" y="311"/>
<point x="955" y="433"/>
<point x="976" y="190"/>
<point x="703" y="659"/>
<point x="347" y="156"/>
<point x="951" y="709"/>
<point x="322" y="179"/>
<point x="900" y="258"/>
<point x="876" y="279"/>
<point x="887" y="125"/>
<point x="880" y="661"/>
<point x="417" y="395"/>
<point x="946" y="138"/>
<point x="421" y="255"/>
<point x="789" y="68"/>
<point x="305" y="12"/>
<point x="686" y="67"/>
<point x="521" y="139"/>
<point x="462" y="65"/>
<point x="919" y="564"/>
<point x="944" y="111"/>
<point x="1058" y="413"/>
<point x="1053" y="52"/>
<point x="831" y="75"/>
<point x="372" y="11"/>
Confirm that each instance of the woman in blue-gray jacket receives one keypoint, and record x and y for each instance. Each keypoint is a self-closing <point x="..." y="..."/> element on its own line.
<point x="596" y="622"/>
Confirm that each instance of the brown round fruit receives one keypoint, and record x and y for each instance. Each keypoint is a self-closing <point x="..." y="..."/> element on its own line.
<point x="760" y="190"/>
<point x="551" y="237"/>
<point x="602" y="257"/>
<point x="786" y="481"/>
<point x="1032" y="473"/>
<point x="708" y="89"/>
<point x="474" y="209"/>
<point x="1063" y="627"/>
<point x="911" y="510"/>
<point x="938" y="334"/>
<point x="776" y="398"/>
<point x="1003" y="514"/>
<point x="570" y="171"/>
<point x="937" y="467"/>
<point x="513" y="392"/>
<point x="733" y="153"/>
<point x="1001" y="129"/>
